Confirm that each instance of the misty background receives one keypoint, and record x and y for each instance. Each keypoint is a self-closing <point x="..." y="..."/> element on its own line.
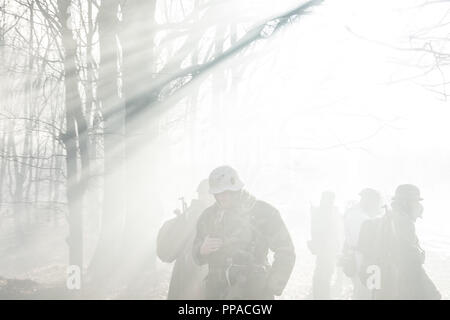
<point x="107" y="120"/>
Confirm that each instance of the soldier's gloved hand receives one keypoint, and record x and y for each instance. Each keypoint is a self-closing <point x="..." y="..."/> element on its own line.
<point x="210" y="245"/>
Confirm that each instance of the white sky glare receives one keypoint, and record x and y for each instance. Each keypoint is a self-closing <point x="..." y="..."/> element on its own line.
<point x="327" y="80"/>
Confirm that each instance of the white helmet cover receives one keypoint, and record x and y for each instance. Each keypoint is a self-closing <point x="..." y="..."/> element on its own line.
<point x="223" y="179"/>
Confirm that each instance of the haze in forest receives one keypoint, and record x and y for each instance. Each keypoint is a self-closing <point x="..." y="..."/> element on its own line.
<point x="107" y="120"/>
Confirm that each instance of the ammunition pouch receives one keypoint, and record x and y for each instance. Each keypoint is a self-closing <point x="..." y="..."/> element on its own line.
<point x="246" y="281"/>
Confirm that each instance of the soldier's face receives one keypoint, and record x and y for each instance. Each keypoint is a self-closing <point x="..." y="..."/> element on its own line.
<point x="227" y="199"/>
<point x="415" y="210"/>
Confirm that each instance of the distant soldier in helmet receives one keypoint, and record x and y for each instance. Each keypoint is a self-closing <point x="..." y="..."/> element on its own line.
<point x="369" y="206"/>
<point x="234" y="237"/>
<point x="174" y="243"/>
<point x="391" y="244"/>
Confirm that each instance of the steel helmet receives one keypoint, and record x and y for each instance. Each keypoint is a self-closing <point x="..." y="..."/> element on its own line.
<point x="407" y="192"/>
<point x="203" y="187"/>
<point x="224" y="178"/>
<point x="369" y="193"/>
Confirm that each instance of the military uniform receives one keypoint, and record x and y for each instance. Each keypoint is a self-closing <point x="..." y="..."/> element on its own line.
<point x="174" y="243"/>
<point x="391" y="243"/>
<point x="240" y="269"/>
<point x="353" y="220"/>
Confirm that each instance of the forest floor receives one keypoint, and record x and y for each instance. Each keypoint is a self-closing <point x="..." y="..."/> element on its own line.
<point x="49" y="283"/>
<point x="37" y="270"/>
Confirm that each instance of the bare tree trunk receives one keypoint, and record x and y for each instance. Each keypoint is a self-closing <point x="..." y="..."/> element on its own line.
<point x="90" y="66"/>
<point x="4" y="132"/>
<point x="76" y="136"/>
<point x="28" y="148"/>
<point x="3" y="153"/>
<point x="106" y="254"/>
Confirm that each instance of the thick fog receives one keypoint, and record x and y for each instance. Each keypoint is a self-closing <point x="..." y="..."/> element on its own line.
<point x="336" y="99"/>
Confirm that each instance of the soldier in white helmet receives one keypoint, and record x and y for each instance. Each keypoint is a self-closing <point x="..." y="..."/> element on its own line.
<point x="234" y="237"/>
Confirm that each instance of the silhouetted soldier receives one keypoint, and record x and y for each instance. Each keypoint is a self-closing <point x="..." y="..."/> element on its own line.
<point x="234" y="237"/>
<point x="369" y="206"/>
<point x="390" y="244"/>
<point x="324" y="244"/>
<point x="174" y="243"/>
